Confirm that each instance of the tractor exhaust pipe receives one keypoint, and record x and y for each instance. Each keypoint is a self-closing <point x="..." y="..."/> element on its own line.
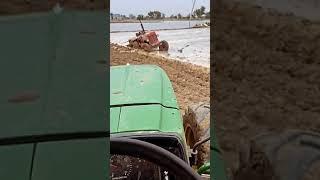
<point x="141" y="26"/>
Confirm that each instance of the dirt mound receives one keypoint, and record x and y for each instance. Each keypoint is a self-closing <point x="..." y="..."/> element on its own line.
<point x="267" y="75"/>
<point x="190" y="82"/>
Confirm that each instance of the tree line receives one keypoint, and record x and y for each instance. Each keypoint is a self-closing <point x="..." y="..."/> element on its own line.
<point x="156" y="15"/>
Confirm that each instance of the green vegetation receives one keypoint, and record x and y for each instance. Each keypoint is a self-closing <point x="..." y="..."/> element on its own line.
<point x="199" y="13"/>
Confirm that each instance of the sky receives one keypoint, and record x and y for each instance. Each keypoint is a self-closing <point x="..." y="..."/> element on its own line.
<point x="168" y="7"/>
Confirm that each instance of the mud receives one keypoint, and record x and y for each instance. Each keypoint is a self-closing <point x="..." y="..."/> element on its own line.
<point x="267" y="74"/>
<point x="191" y="83"/>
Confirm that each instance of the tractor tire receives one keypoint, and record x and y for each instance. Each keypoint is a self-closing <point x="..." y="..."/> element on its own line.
<point x="147" y="47"/>
<point x="290" y="155"/>
<point x="196" y="123"/>
<point x="164" y="46"/>
<point x="135" y="44"/>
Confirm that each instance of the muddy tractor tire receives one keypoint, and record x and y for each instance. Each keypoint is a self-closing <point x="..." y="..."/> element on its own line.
<point x="196" y="123"/>
<point x="163" y="46"/>
<point x="290" y="155"/>
<point x="147" y="47"/>
<point x="133" y="44"/>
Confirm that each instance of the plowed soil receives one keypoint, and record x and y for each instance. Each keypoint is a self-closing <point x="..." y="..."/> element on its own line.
<point x="191" y="83"/>
<point x="267" y="74"/>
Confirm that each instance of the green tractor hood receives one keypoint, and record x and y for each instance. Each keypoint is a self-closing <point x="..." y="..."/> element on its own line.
<point x="142" y="99"/>
<point x="141" y="84"/>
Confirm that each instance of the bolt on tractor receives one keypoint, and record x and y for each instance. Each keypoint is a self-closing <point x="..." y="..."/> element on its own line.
<point x="150" y="139"/>
<point x="148" y="40"/>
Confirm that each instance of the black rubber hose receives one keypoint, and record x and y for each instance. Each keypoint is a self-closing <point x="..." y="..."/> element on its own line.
<point x="199" y="143"/>
<point x="154" y="154"/>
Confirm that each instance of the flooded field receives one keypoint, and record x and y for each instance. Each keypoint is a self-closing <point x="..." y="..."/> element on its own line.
<point x="186" y="45"/>
<point x="161" y="25"/>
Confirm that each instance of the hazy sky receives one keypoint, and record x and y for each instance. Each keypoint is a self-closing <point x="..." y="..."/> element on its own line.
<point x="168" y="7"/>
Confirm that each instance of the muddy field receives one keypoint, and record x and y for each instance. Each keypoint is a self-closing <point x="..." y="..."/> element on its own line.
<point x="267" y="74"/>
<point x="190" y="82"/>
<point x="187" y="45"/>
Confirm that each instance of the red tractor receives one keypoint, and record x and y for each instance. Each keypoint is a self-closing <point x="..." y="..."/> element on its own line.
<point x="148" y="40"/>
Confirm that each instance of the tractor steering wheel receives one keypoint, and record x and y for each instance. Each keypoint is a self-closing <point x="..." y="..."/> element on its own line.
<point x="154" y="154"/>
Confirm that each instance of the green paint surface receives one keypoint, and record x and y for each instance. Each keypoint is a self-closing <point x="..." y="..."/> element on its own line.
<point x="56" y="58"/>
<point x="146" y="118"/>
<point x="77" y="159"/>
<point x="142" y="99"/>
<point x="218" y="171"/>
<point x="140" y="84"/>
<point x="15" y="161"/>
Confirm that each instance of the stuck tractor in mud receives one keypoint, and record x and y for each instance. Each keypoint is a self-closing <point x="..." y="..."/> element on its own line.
<point x="148" y="41"/>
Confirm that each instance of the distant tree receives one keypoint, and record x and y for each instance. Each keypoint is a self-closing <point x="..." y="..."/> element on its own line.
<point x="173" y="16"/>
<point x="196" y="13"/>
<point x="199" y="12"/>
<point x="202" y="10"/>
<point x="151" y="14"/>
<point x="131" y="16"/>
<point x="158" y="14"/>
<point x="140" y="16"/>
<point x="123" y="16"/>
<point x="163" y="16"/>
<point x="155" y="15"/>
<point x="188" y="16"/>
<point x="111" y="15"/>
<point x="179" y="16"/>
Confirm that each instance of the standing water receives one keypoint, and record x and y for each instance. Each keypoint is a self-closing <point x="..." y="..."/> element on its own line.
<point x="186" y="45"/>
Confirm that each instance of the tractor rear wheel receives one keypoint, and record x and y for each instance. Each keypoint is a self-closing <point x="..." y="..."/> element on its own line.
<point x="196" y="123"/>
<point x="164" y="46"/>
<point x="290" y="155"/>
<point x="135" y="44"/>
<point x="147" y="47"/>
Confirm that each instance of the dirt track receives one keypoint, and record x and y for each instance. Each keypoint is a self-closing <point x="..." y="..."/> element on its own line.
<point x="191" y="83"/>
<point x="267" y="74"/>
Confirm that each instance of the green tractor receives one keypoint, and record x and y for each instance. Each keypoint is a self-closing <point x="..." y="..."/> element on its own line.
<point x="149" y="137"/>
